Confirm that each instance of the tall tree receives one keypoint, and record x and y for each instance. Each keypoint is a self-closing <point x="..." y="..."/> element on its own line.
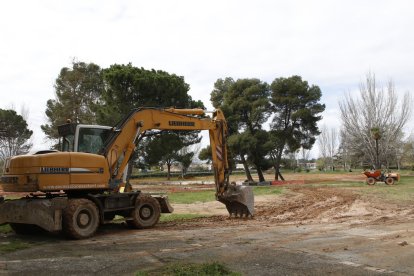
<point x="14" y="134"/>
<point x="129" y="87"/>
<point x="77" y="90"/>
<point x="185" y="158"/>
<point x="245" y="104"/>
<point x="163" y="149"/>
<point x="205" y="154"/>
<point x="377" y="111"/>
<point x="296" y="109"/>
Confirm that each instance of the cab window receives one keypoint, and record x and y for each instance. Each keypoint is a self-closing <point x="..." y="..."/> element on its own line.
<point x="67" y="142"/>
<point x="91" y="140"/>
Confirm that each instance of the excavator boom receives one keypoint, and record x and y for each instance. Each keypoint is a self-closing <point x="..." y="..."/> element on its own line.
<point x="238" y="199"/>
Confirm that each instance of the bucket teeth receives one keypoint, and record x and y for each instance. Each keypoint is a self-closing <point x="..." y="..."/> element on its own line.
<point x="239" y="201"/>
<point x="240" y="212"/>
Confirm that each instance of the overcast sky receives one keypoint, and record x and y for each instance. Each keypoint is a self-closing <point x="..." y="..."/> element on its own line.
<point x="332" y="44"/>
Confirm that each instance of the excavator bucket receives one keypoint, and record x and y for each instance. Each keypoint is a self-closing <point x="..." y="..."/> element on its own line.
<point x="239" y="200"/>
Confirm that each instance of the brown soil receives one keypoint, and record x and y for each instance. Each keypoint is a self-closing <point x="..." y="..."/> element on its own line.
<point x="301" y="206"/>
<point x="304" y="231"/>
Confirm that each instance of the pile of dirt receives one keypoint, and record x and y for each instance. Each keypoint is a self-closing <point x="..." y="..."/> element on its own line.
<point x="302" y="205"/>
<point x="306" y="204"/>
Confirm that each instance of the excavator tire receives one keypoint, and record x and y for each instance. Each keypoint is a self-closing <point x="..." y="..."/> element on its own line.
<point x="25" y="229"/>
<point x="80" y="218"/>
<point x="146" y="213"/>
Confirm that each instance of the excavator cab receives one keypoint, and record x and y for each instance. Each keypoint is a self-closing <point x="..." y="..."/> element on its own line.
<point x="83" y="138"/>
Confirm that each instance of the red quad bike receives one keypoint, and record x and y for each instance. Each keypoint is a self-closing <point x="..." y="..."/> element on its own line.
<point x="378" y="175"/>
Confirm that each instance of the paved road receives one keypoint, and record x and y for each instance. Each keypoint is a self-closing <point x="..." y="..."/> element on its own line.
<point x="335" y="249"/>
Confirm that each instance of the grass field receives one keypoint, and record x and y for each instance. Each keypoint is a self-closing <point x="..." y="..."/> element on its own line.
<point x="179" y="217"/>
<point x="402" y="191"/>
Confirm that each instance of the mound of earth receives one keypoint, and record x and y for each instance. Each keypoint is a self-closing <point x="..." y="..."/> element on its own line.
<point x="301" y="205"/>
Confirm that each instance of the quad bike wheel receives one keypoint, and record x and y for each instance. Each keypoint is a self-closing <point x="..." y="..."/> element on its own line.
<point x="389" y="181"/>
<point x="371" y="181"/>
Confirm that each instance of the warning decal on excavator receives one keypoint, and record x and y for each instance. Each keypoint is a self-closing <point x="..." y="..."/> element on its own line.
<point x="219" y="153"/>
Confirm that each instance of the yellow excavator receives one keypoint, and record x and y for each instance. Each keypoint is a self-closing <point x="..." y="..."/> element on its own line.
<point x="83" y="185"/>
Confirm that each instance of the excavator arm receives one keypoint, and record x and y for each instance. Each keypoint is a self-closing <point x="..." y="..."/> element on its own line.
<point x="121" y="144"/>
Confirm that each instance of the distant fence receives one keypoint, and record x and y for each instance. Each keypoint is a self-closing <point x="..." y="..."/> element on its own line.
<point x="176" y="174"/>
<point x="173" y="174"/>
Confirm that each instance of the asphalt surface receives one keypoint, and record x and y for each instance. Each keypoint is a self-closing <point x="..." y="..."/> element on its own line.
<point x="334" y="249"/>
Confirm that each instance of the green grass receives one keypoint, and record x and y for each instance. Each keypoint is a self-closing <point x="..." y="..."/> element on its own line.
<point x="206" y="196"/>
<point x="339" y="184"/>
<point x="192" y="197"/>
<point x="268" y="190"/>
<point x="12" y="197"/>
<point x="13" y="245"/>
<point x="400" y="192"/>
<point x="180" y="269"/>
<point x="5" y="229"/>
<point x="179" y="217"/>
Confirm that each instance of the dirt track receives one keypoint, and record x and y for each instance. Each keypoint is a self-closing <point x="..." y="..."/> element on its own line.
<point x="305" y="231"/>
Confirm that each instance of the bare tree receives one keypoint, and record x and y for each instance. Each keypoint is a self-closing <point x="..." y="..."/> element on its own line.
<point x="345" y="150"/>
<point x="407" y="151"/>
<point x="375" y="108"/>
<point x="332" y="146"/>
<point x="328" y="145"/>
<point x="305" y="154"/>
<point x="323" y="145"/>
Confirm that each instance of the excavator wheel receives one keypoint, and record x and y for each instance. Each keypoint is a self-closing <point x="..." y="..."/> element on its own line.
<point x="80" y="218"/>
<point x="146" y="213"/>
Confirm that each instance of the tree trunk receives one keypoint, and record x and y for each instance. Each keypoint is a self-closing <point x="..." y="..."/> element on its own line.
<point x="260" y="174"/>
<point x="168" y="171"/>
<point x="277" y="167"/>
<point x="276" y="164"/>
<point x="377" y="155"/>
<point x="278" y="173"/>
<point x="246" y="168"/>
